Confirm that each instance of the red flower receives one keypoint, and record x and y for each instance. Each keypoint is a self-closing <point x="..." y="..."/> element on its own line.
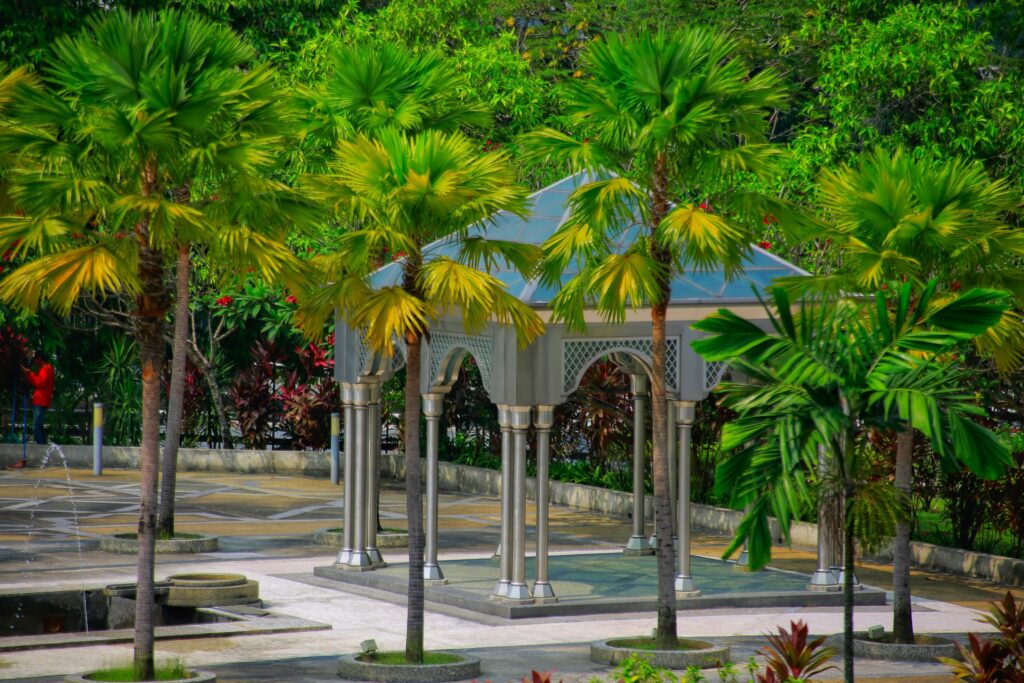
<point x="770" y="220"/>
<point x="704" y="206"/>
<point x="765" y="245"/>
<point x="1" y="270"/>
<point x="8" y="255"/>
<point x="885" y="286"/>
<point x="955" y="285"/>
<point x="77" y="235"/>
<point x="120" y="235"/>
<point x="291" y="299"/>
<point x="224" y="301"/>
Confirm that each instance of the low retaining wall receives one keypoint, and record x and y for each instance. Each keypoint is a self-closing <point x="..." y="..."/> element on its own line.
<point x="477" y="480"/>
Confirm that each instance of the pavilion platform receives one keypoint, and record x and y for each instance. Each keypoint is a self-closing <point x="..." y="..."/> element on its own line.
<point x="602" y="583"/>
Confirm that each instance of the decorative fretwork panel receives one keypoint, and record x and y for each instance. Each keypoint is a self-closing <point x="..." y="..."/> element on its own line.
<point x="713" y="373"/>
<point x="443" y="343"/>
<point x="580" y="354"/>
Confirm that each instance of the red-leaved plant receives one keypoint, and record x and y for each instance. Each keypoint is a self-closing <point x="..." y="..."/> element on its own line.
<point x="790" y="655"/>
<point x="537" y="677"/>
<point x="1000" y="658"/>
<point x="257" y="407"/>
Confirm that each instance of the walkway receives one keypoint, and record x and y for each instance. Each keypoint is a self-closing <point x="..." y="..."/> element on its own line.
<point x="265" y="524"/>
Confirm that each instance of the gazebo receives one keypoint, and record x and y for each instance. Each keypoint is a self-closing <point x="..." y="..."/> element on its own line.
<point x="527" y="384"/>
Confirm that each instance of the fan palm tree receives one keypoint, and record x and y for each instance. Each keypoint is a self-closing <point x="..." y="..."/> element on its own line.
<point x="827" y="376"/>
<point x="403" y="192"/>
<point x="103" y="144"/>
<point x="668" y="122"/>
<point x="894" y="217"/>
<point x="373" y="87"/>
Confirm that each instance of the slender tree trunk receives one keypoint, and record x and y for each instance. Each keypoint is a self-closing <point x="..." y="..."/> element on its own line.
<point x="902" y="618"/>
<point x="848" y="550"/>
<point x="215" y="395"/>
<point x="175" y="395"/>
<point x="666" y="634"/>
<point x="152" y="306"/>
<point x="414" y="501"/>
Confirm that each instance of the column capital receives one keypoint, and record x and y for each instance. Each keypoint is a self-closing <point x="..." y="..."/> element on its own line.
<point x="433" y="405"/>
<point x="361" y="394"/>
<point x="519" y="416"/>
<point x="504" y="419"/>
<point x="543" y="417"/>
<point x="638" y="384"/>
<point x="686" y="412"/>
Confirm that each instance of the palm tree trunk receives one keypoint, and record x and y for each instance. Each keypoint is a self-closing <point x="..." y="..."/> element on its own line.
<point x="666" y="634"/>
<point x="175" y="395"/>
<point x="848" y="549"/>
<point x="413" y="501"/>
<point x="902" y="618"/>
<point x="152" y="306"/>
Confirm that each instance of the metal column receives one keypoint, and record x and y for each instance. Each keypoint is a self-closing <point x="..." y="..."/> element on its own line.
<point x="504" y="549"/>
<point x="823" y="579"/>
<point x="349" y="475"/>
<point x="373" y="475"/>
<point x="432" y="405"/>
<point x="359" y="558"/>
<point x="543" y="420"/>
<point x="685" y="414"/>
<point x="518" y="590"/>
<point x="637" y="544"/>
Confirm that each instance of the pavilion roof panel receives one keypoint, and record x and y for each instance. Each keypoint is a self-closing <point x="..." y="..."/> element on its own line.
<point x="549" y="208"/>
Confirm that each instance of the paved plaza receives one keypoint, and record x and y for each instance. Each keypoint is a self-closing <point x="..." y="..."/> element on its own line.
<point x="50" y="521"/>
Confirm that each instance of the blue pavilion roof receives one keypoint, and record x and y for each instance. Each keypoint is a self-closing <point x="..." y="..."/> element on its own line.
<point x="549" y="208"/>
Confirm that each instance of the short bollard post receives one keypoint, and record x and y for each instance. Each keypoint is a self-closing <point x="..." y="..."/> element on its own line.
<point x="97" y="439"/>
<point x="335" y="441"/>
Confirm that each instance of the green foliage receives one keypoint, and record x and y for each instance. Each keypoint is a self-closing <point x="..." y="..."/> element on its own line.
<point x="120" y="376"/>
<point x="831" y="372"/>
<point x="167" y="671"/>
<point x="924" y="75"/>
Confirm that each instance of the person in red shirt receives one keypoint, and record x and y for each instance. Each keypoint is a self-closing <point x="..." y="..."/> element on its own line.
<point x="41" y="380"/>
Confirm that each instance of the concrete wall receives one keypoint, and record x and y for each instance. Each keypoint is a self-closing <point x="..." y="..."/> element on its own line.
<point x="476" y="480"/>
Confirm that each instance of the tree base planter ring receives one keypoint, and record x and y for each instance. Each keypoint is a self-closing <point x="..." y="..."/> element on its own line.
<point x="194" y="677"/>
<point x="353" y="668"/>
<point x="926" y="649"/>
<point x="388" y="538"/>
<point x="691" y="653"/>
<point x="181" y="543"/>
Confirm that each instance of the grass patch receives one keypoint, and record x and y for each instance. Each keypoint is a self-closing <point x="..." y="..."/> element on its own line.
<point x="650" y="644"/>
<point x="169" y="671"/>
<point x="398" y="658"/>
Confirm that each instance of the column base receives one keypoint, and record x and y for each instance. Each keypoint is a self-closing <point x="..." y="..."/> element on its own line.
<point x="519" y="593"/>
<point x="823" y="581"/>
<point x="359" y="561"/>
<point x="497" y="553"/>
<point x="433" y="575"/>
<point x="500" y="590"/>
<point x="637" y="545"/>
<point x="543" y="592"/>
<point x="653" y="543"/>
<point x="686" y="588"/>
<point x="344" y="557"/>
<point x="842" y="581"/>
<point x="376" y="559"/>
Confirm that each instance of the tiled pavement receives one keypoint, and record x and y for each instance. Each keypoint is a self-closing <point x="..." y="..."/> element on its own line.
<point x="50" y="520"/>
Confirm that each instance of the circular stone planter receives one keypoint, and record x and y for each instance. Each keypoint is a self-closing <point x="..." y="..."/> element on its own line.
<point x="211" y="590"/>
<point x="351" y="668"/>
<point x="389" y="538"/>
<point x="183" y="543"/>
<point x="194" y="677"/>
<point x="928" y="649"/>
<point x="698" y="653"/>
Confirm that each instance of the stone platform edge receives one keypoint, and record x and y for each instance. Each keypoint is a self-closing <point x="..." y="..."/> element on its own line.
<point x="450" y="596"/>
<point x="480" y="481"/>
